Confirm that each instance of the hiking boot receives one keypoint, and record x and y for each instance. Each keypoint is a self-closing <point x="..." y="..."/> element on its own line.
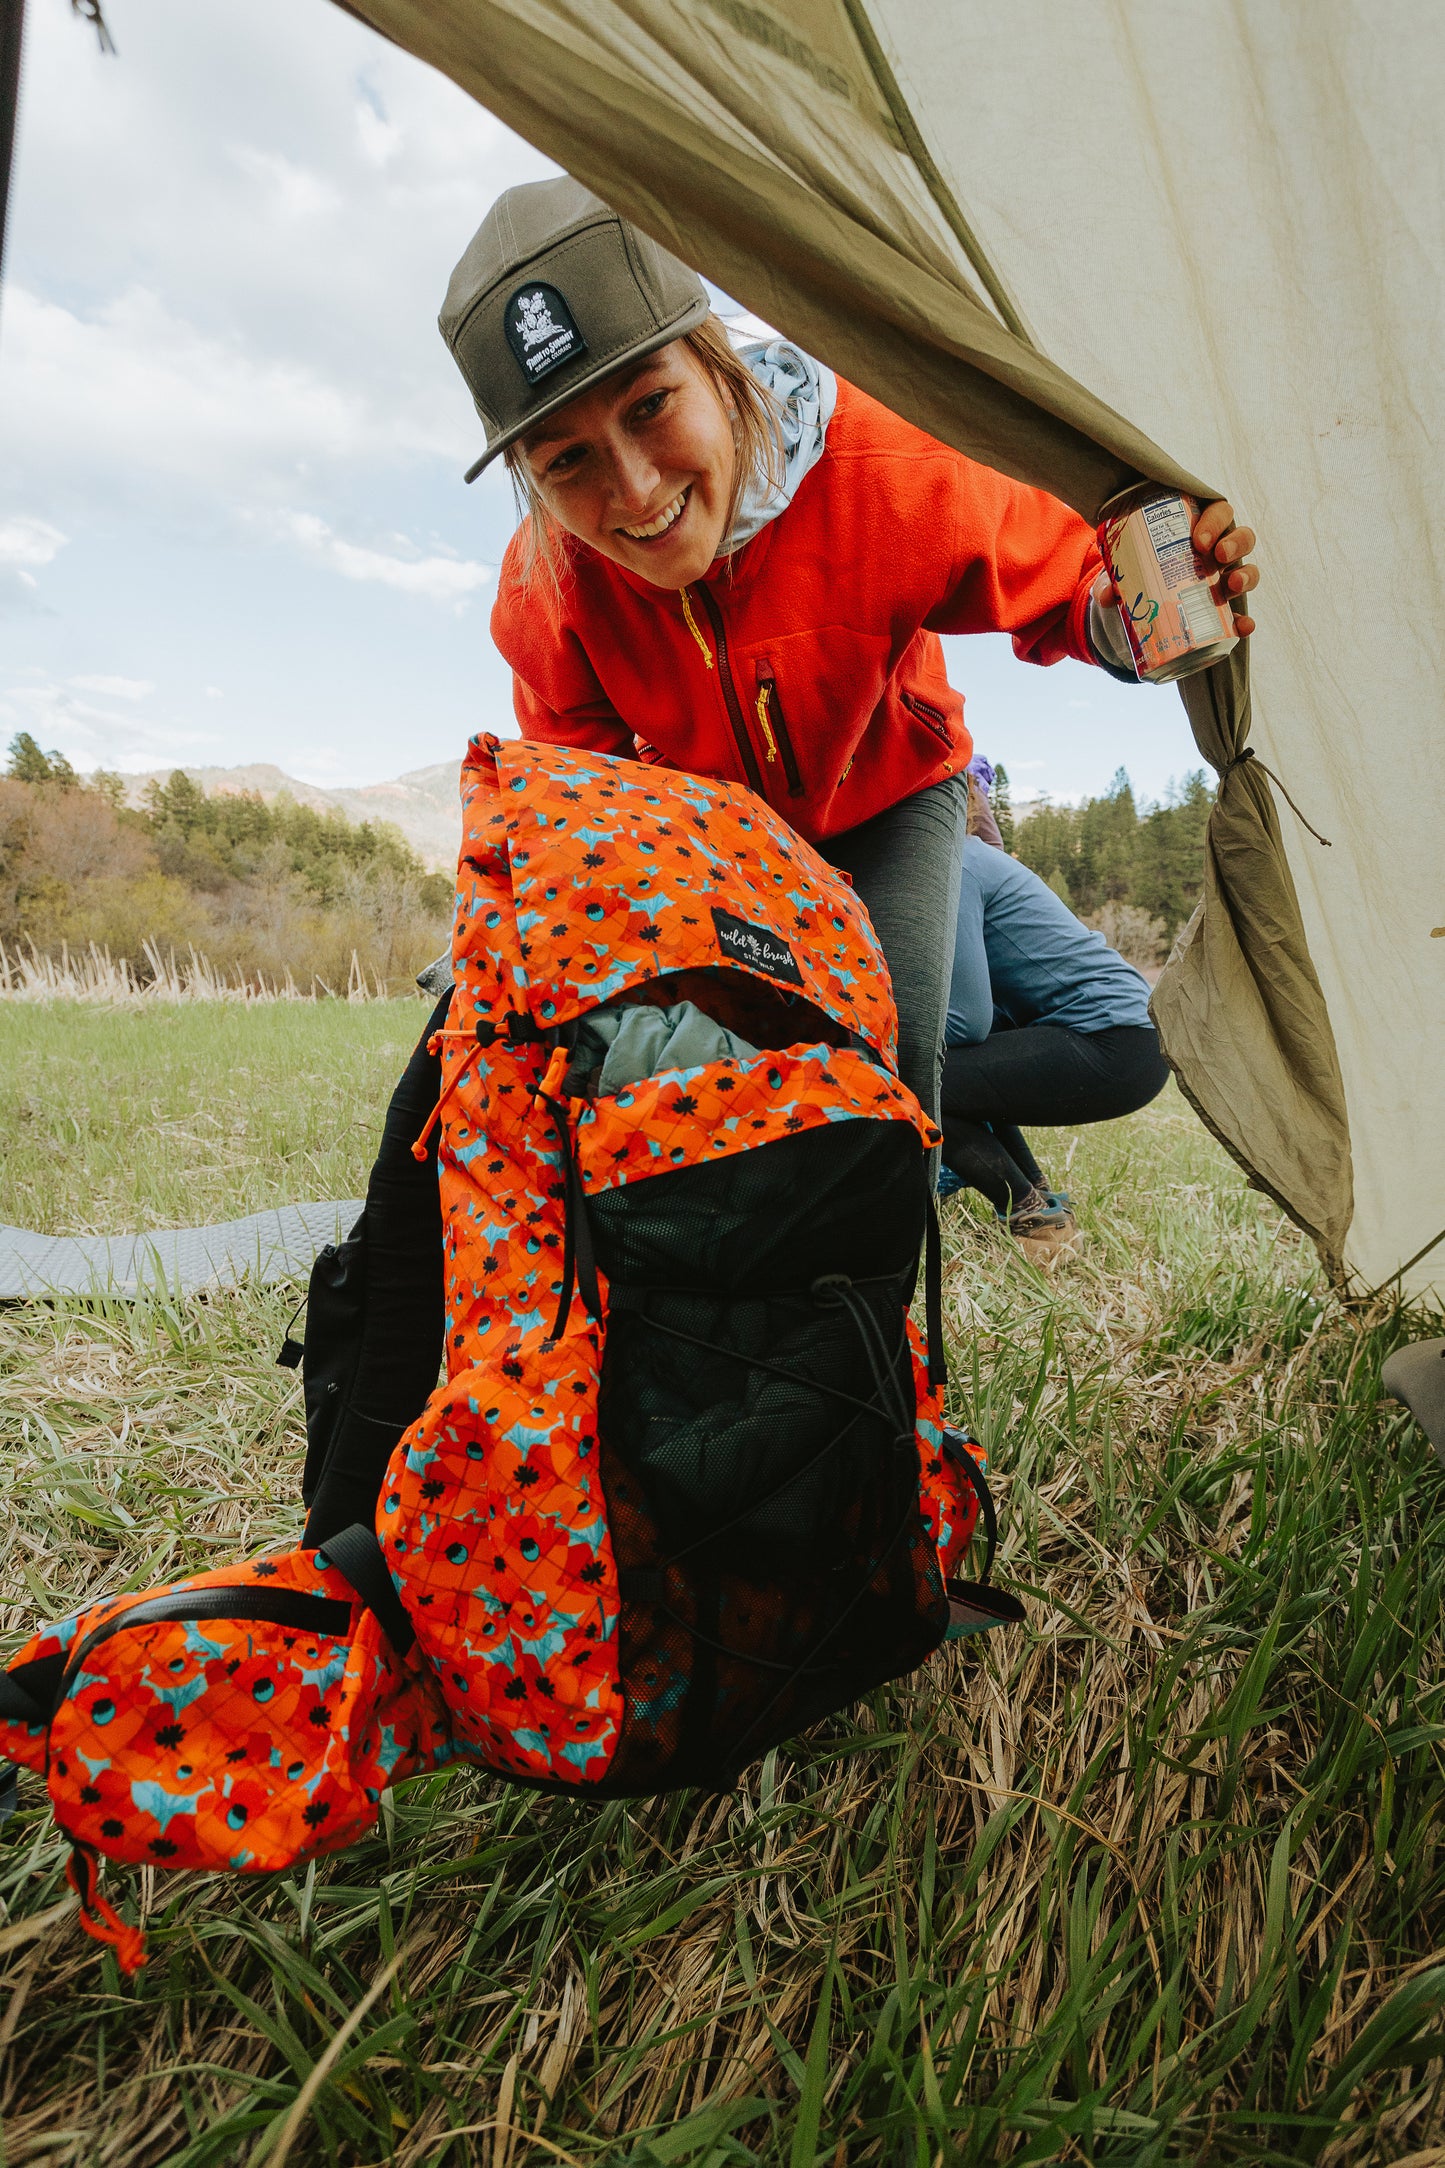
<point x="949" y="1183"/>
<point x="1043" y="1226"/>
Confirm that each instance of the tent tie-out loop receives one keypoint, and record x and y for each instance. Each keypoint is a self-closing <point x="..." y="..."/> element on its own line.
<point x="1249" y="753"/>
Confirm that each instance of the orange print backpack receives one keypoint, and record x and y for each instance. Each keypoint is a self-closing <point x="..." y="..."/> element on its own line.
<point x="688" y="1486"/>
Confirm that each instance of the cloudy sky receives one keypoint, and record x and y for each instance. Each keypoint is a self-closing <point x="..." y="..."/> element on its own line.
<point x="232" y="520"/>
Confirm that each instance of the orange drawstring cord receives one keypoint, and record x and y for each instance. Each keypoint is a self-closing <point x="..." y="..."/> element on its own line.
<point x="550" y="1082"/>
<point x="98" y="1915"/>
<point x="419" y="1149"/>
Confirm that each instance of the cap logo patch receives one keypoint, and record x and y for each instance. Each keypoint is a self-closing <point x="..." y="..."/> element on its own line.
<point x="540" y="330"/>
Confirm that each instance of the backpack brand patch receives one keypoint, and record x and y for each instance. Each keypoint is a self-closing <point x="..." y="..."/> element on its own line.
<point x="756" y="947"/>
<point x="541" y="331"/>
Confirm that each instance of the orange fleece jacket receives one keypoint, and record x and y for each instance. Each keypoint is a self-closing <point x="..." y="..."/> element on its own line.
<point x="808" y="664"/>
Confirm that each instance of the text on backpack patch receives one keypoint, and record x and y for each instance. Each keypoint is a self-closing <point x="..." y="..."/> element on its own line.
<point x="756" y="947"/>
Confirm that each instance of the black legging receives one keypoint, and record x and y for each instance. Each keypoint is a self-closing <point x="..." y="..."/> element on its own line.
<point x="1038" y="1074"/>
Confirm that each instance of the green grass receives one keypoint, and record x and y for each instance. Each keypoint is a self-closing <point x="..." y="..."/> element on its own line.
<point x="132" y="1118"/>
<point x="1158" y="1879"/>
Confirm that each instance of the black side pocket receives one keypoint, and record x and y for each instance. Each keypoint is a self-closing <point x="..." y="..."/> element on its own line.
<point x="335" y="1311"/>
<point x="375" y="1314"/>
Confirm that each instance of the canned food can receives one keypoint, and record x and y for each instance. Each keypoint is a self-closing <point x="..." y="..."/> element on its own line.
<point x="1173" y="621"/>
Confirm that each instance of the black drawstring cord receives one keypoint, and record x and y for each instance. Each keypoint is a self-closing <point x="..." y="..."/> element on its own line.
<point x="835" y="1291"/>
<point x="933" y="1296"/>
<point x="1248" y="753"/>
<point x="579" y="1261"/>
<point x="956" y="1451"/>
<point x="753" y="1362"/>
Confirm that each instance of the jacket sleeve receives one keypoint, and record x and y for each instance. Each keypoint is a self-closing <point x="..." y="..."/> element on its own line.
<point x="556" y="693"/>
<point x="1022" y="563"/>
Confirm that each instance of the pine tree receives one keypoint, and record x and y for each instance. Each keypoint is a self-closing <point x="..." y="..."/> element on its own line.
<point x="1002" y="803"/>
<point x="1111" y="851"/>
<point x="29" y="765"/>
<point x="178" y="803"/>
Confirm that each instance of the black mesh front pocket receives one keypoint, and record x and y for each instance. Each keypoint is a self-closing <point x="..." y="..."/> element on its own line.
<point x="758" y="1452"/>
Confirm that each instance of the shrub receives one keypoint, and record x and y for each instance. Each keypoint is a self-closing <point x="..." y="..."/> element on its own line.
<point x="261" y="890"/>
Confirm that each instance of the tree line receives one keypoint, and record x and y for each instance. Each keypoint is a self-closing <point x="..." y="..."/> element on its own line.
<point x="261" y="890"/>
<point x="270" y="889"/>
<point x="1134" y="871"/>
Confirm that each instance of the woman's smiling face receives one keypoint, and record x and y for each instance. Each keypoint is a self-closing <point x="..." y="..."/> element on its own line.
<point x="641" y="468"/>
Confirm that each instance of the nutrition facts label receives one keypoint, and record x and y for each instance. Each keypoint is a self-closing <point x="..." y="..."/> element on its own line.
<point x="1168" y="522"/>
<point x="1176" y="563"/>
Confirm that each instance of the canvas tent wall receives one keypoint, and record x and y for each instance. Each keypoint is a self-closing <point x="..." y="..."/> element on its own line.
<point x="1062" y="239"/>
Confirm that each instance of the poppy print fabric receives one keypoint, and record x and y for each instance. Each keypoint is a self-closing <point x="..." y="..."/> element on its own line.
<point x="235" y="1741"/>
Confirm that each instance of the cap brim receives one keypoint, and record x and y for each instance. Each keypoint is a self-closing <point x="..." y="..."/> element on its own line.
<point x="690" y="318"/>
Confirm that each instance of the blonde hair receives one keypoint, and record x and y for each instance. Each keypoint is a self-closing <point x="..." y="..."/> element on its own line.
<point x="757" y="448"/>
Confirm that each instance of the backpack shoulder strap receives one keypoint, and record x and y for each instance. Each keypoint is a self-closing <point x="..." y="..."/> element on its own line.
<point x="355" y="1552"/>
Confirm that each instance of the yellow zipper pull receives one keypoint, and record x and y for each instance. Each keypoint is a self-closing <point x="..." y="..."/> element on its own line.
<point x="763" y="723"/>
<point x="692" y="627"/>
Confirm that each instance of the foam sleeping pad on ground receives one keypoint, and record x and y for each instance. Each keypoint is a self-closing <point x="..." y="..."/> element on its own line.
<point x="278" y="1244"/>
<point x="1416" y="1375"/>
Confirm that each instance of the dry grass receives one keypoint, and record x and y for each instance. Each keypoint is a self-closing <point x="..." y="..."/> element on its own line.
<point x="92" y="974"/>
<point x="1156" y="1880"/>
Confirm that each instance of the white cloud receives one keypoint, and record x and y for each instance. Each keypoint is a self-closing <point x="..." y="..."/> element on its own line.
<point x="25" y="541"/>
<point x="294" y="191"/>
<point x="115" y="688"/>
<point x="440" y="579"/>
<point x="318" y="763"/>
<point x="380" y="138"/>
<point x="141" y="396"/>
<point x="225" y="256"/>
<point x="94" y="736"/>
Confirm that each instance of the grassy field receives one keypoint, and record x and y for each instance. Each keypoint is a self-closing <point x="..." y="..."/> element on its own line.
<point x="1156" y="1880"/>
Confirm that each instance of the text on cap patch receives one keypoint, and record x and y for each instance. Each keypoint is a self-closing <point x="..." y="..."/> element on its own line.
<point x="540" y="330"/>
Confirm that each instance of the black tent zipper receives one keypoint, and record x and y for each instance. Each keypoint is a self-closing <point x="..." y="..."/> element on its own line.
<point x="774" y="726"/>
<point x="734" y="706"/>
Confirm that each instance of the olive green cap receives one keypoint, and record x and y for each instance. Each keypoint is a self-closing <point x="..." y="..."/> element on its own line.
<point x="554" y="293"/>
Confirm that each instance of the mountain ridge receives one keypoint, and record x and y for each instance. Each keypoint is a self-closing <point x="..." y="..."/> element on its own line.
<point x="424" y="803"/>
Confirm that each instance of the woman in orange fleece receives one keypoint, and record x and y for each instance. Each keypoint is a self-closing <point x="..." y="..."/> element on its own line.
<point x="736" y="564"/>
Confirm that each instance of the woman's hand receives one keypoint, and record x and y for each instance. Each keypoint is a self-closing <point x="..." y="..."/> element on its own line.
<point x="1216" y="535"/>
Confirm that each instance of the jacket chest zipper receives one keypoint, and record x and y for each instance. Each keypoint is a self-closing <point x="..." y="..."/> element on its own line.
<point x="731" y="701"/>
<point x="774" y="727"/>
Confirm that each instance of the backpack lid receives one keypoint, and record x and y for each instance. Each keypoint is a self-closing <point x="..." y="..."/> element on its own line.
<point x="620" y="875"/>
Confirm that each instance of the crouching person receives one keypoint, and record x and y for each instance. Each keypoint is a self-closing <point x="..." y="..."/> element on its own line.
<point x="1046" y="1025"/>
